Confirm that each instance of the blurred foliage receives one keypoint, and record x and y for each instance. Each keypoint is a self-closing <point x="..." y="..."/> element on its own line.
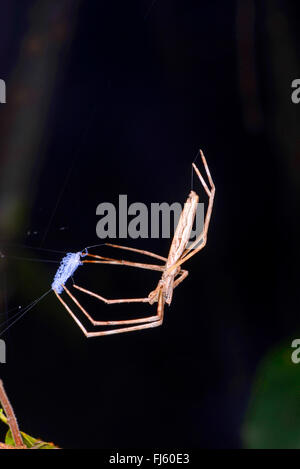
<point x="273" y="417"/>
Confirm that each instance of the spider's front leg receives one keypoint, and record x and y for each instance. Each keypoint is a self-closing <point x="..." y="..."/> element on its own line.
<point x="103" y="260"/>
<point x="146" y="325"/>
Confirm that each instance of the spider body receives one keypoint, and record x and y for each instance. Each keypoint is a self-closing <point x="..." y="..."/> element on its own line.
<point x="179" y="243"/>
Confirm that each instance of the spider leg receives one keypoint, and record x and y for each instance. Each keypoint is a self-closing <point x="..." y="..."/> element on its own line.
<point x="114" y="301"/>
<point x="211" y="194"/>
<point x="160" y="312"/>
<point x="110" y="323"/>
<point x="146" y="253"/>
<point x="182" y="275"/>
<point x="188" y="253"/>
<point x="107" y="260"/>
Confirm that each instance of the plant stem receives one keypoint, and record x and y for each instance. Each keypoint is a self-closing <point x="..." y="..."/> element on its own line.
<point x="11" y="418"/>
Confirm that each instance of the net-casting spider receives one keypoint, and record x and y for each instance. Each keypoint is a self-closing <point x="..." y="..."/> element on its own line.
<point x="172" y="273"/>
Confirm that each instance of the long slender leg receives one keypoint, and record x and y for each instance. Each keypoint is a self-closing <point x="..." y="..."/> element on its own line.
<point x="107" y="323"/>
<point x="107" y="260"/>
<point x="146" y="253"/>
<point x="114" y="301"/>
<point x="71" y="313"/>
<point x="160" y="311"/>
<point x="203" y="236"/>
<point x="182" y="275"/>
<point x="211" y="194"/>
<point x="207" y="173"/>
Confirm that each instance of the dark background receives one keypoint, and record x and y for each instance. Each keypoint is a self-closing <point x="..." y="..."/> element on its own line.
<point x="109" y="98"/>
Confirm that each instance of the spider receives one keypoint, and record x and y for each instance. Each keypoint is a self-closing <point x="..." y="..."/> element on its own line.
<point x="172" y="272"/>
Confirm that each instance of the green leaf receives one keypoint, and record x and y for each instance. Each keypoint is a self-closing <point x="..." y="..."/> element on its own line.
<point x="9" y="439"/>
<point x="2" y="416"/>
<point x="273" y="417"/>
<point x="29" y="441"/>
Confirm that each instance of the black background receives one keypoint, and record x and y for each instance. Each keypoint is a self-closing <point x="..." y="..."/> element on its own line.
<point x="139" y="89"/>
